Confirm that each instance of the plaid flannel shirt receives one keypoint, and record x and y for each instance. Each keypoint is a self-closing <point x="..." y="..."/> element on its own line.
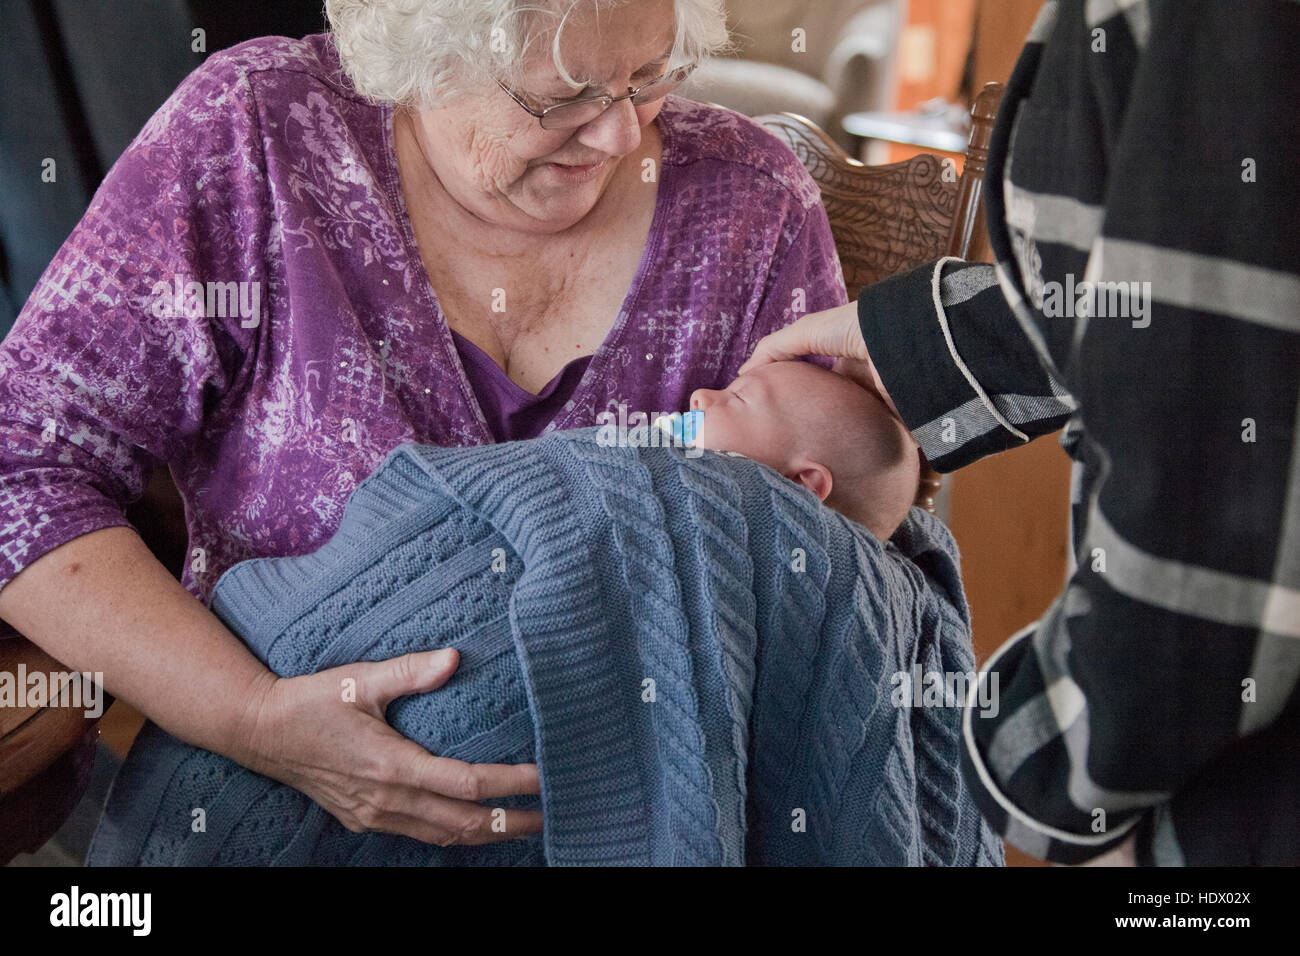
<point x="1144" y="211"/>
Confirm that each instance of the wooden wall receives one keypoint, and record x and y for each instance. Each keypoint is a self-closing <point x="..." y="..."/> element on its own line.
<point x="1003" y="26"/>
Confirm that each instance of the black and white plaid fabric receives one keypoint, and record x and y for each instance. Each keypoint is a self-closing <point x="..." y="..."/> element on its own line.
<point x="1144" y="209"/>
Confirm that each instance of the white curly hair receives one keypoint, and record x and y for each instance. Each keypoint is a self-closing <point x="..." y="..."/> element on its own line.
<point x="414" y="53"/>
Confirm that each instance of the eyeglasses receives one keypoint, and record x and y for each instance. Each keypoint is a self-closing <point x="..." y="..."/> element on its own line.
<point x="580" y="112"/>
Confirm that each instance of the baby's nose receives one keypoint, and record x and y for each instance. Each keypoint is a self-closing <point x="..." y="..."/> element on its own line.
<point x="702" y="398"/>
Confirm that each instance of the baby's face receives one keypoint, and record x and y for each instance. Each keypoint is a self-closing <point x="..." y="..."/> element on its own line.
<point x="817" y="428"/>
<point x="778" y="414"/>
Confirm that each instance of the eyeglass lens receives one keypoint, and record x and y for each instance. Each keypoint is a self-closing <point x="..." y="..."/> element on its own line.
<point x="569" y="115"/>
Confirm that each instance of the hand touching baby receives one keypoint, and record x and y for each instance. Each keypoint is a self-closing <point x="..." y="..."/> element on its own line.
<point x="821" y="430"/>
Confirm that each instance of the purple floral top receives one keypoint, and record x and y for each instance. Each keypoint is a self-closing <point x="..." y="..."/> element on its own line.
<point x="272" y="397"/>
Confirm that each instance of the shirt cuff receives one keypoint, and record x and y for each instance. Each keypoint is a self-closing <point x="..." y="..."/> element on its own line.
<point x="44" y="518"/>
<point x="1019" y="828"/>
<point x="907" y="333"/>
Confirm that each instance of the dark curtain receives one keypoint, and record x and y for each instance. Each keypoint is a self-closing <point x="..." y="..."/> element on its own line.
<point x="81" y="77"/>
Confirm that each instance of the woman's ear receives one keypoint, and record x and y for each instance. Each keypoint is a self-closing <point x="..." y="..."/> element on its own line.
<point x="814" y="476"/>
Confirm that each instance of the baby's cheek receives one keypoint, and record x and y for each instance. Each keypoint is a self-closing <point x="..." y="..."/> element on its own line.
<point x="722" y="431"/>
<point x="710" y="432"/>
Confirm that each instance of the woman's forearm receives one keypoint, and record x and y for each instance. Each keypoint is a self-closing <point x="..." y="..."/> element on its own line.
<point x="103" y="603"/>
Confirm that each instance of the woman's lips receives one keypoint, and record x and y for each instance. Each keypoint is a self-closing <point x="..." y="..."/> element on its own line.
<point x="574" y="174"/>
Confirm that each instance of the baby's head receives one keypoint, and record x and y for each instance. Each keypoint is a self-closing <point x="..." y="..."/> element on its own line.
<point x="821" y="430"/>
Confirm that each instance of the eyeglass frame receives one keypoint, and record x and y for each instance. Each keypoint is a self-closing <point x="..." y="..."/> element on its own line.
<point x="609" y="101"/>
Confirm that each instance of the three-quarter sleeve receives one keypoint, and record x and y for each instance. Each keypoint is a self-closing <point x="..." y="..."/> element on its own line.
<point x="107" y="373"/>
<point x="959" y="366"/>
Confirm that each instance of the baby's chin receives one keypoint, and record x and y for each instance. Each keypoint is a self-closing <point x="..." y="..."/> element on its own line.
<point x="725" y="448"/>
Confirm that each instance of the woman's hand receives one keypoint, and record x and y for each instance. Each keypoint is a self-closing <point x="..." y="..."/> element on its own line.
<point x="834" y="332"/>
<point x="337" y="749"/>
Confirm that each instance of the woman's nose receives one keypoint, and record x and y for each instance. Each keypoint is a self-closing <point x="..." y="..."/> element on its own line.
<point x="617" y="131"/>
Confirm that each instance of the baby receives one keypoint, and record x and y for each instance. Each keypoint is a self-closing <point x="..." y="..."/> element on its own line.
<point x="821" y="430"/>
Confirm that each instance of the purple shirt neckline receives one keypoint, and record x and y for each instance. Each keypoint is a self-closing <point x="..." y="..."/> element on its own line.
<point x="513" y="413"/>
<point x="596" y="370"/>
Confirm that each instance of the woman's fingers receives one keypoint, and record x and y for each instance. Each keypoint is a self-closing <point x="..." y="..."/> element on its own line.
<point x="437" y="799"/>
<point x="470" y="782"/>
<point x="374" y="797"/>
<point x="834" y="332"/>
<point x="425" y="671"/>
<point x="382" y="682"/>
<point x="325" y="734"/>
<point x="435" y="820"/>
<point x="474" y="828"/>
<point x="783" y="344"/>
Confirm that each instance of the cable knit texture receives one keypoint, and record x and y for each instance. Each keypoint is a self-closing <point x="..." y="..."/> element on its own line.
<point x="697" y="652"/>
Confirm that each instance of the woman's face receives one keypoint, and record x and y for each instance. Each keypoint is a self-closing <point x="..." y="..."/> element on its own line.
<point x="498" y="163"/>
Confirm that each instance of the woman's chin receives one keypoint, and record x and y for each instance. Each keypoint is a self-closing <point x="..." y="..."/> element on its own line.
<point x="558" y="201"/>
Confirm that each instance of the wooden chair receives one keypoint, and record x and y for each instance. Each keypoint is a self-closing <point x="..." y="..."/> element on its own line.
<point x="46" y="756"/>
<point x="891" y="218"/>
<point x="47" y="753"/>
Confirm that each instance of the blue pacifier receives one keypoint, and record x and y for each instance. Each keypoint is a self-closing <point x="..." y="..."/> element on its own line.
<point x="683" y="428"/>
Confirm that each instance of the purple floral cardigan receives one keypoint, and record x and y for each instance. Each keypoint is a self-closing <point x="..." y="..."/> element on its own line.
<point x="244" y="303"/>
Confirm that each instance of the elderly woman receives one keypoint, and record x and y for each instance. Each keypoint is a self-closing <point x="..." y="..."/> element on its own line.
<point x="444" y="222"/>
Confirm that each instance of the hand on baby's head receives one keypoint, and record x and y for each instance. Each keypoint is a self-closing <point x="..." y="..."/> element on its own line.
<point x="821" y="430"/>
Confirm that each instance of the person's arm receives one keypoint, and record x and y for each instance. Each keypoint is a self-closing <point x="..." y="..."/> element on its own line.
<point x="102" y="603"/>
<point x="1174" y="645"/>
<point x="97" y="389"/>
<point x="1141" y="699"/>
<point x="945" y="352"/>
<point x="956" y="364"/>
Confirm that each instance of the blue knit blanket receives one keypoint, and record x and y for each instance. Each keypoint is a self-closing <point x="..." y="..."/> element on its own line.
<point x="702" y="658"/>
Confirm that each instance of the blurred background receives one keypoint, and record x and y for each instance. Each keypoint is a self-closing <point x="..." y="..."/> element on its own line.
<point x="885" y="78"/>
